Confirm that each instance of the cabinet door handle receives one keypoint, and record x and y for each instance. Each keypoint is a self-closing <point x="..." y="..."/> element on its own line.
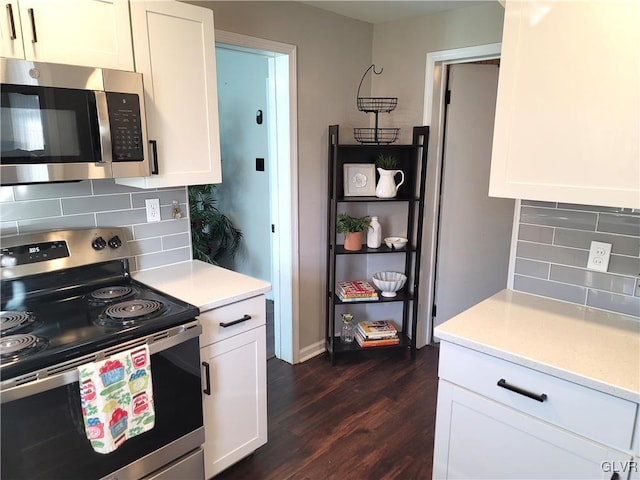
<point x="207" y="376"/>
<point x="154" y="150"/>
<point x="11" y="22"/>
<point x="235" y="322"/>
<point x="33" y="26"/>
<point x="540" y="398"/>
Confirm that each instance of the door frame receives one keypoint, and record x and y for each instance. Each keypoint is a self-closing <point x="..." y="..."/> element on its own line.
<point x="283" y="147"/>
<point x="434" y="115"/>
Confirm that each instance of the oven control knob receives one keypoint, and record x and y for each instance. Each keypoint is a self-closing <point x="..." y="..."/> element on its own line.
<point x="98" y="243"/>
<point x="115" y="242"/>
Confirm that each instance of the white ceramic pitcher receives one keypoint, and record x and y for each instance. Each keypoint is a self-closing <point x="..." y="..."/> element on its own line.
<point x="387" y="187"/>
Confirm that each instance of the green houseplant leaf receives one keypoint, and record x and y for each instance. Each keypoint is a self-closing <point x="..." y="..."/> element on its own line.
<point x="347" y="223"/>
<point x="213" y="235"/>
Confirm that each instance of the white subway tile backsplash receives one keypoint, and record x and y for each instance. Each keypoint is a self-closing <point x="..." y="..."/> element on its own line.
<point x="102" y="203"/>
<point x="553" y="247"/>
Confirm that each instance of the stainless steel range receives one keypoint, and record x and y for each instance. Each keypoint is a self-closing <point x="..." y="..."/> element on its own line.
<point x="68" y="300"/>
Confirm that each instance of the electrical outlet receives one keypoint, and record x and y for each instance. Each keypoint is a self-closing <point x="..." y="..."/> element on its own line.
<point x="599" y="256"/>
<point x="153" y="209"/>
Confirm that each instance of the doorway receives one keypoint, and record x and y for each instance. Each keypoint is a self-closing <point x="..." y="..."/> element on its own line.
<point x="258" y="141"/>
<point x="448" y="245"/>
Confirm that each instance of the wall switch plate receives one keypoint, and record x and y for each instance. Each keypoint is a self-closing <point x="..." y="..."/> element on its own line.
<point x="599" y="254"/>
<point x="153" y="209"/>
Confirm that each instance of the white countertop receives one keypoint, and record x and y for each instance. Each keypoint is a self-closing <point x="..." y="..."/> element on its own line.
<point x="203" y="285"/>
<point x="590" y="347"/>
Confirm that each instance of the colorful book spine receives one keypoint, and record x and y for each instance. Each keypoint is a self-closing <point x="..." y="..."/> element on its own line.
<point x="357" y="299"/>
<point x="356" y="288"/>
<point x="383" y="342"/>
<point x="377" y="329"/>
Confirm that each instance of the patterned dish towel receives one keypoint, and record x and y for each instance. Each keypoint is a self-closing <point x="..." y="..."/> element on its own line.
<point x="117" y="398"/>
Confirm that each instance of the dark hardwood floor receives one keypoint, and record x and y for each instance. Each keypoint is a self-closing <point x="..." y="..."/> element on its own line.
<point x="370" y="417"/>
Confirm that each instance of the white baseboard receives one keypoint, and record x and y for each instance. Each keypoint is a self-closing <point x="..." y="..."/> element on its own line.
<point x="311" y="351"/>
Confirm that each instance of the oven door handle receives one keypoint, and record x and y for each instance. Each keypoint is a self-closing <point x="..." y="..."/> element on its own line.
<point x="44" y="380"/>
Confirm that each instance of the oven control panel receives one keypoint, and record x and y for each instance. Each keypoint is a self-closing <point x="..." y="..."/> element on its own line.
<point x="41" y="252"/>
<point x="33" y="253"/>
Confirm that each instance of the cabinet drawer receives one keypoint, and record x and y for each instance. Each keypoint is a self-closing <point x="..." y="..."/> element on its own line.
<point x="234" y="316"/>
<point x="595" y="415"/>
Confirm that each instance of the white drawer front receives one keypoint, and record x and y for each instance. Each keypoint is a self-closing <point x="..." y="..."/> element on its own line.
<point x="595" y="415"/>
<point x="234" y="316"/>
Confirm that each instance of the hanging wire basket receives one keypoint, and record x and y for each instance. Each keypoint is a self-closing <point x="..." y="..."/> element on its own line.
<point x="375" y="104"/>
<point x="376" y="135"/>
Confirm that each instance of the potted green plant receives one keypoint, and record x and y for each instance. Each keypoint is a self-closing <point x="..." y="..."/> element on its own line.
<point x="214" y="238"/>
<point x="386" y="162"/>
<point x="352" y="228"/>
<point x="386" y="187"/>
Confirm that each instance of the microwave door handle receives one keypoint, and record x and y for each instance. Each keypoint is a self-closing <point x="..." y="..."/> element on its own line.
<point x="154" y="150"/>
<point x="103" y="135"/>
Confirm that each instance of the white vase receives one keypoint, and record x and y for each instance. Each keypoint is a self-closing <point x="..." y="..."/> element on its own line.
<point x="374" y="234"/>
<point x="387" y="187"/>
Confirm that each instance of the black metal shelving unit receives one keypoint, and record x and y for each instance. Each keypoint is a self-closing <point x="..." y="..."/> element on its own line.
<point x="412" y="160"/>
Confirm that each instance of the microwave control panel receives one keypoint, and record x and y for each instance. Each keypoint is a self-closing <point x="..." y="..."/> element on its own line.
<point x="126" y="127"/>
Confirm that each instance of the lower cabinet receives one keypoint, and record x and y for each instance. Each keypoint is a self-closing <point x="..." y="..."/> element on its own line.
<point x="501" y="420"/>
<point x="234" y="382"/>
<point x="480" y="438"/>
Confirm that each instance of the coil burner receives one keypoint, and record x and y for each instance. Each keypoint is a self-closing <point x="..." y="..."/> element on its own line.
<point x="130" y="312"/>
<point x="16" y="346"/>
<point x="14" y="321"/>
<point x="109" y="294"/>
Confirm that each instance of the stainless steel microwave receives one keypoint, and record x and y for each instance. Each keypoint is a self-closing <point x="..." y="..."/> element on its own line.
<point x="64" y="123"/>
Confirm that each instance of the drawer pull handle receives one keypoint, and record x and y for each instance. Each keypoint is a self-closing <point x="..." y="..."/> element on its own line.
<point x="235" y="322"/>
<point x="207" y="376"/>
<point x="540" y="398"/>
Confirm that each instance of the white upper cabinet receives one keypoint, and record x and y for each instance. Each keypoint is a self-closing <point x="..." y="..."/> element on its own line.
<point x="568" y="111"/>
<point x="174" y="49"/>
<point x="94" y="33"/>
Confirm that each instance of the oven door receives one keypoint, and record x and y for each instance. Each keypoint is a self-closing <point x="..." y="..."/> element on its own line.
<point x="43" y="435"/>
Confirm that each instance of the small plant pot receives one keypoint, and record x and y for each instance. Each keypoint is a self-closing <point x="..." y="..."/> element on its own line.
<point x="353" y="241"/>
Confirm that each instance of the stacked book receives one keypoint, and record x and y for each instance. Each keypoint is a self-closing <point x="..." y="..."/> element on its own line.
<point x="356" y="291"/>
<point x="377" y="333"/>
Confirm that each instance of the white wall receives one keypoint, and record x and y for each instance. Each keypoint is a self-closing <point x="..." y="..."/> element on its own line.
<point x="401" y="49"/>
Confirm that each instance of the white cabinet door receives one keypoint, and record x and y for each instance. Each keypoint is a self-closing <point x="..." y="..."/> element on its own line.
<point x="479" y="438"/>
<point x="568" y="119"/>
<point x="174" y="49"/>
<point x="11" y="31"/>
<point x="94" y="33"/>
<point x="235" y="410"/>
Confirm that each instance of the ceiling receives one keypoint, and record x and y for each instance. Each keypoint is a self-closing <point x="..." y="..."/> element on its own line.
<point x="390" y="11"/>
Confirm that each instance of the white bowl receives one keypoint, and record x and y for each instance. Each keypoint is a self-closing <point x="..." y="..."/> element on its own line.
<point x="389" y="282"/>
<point x="395" y="242"/>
